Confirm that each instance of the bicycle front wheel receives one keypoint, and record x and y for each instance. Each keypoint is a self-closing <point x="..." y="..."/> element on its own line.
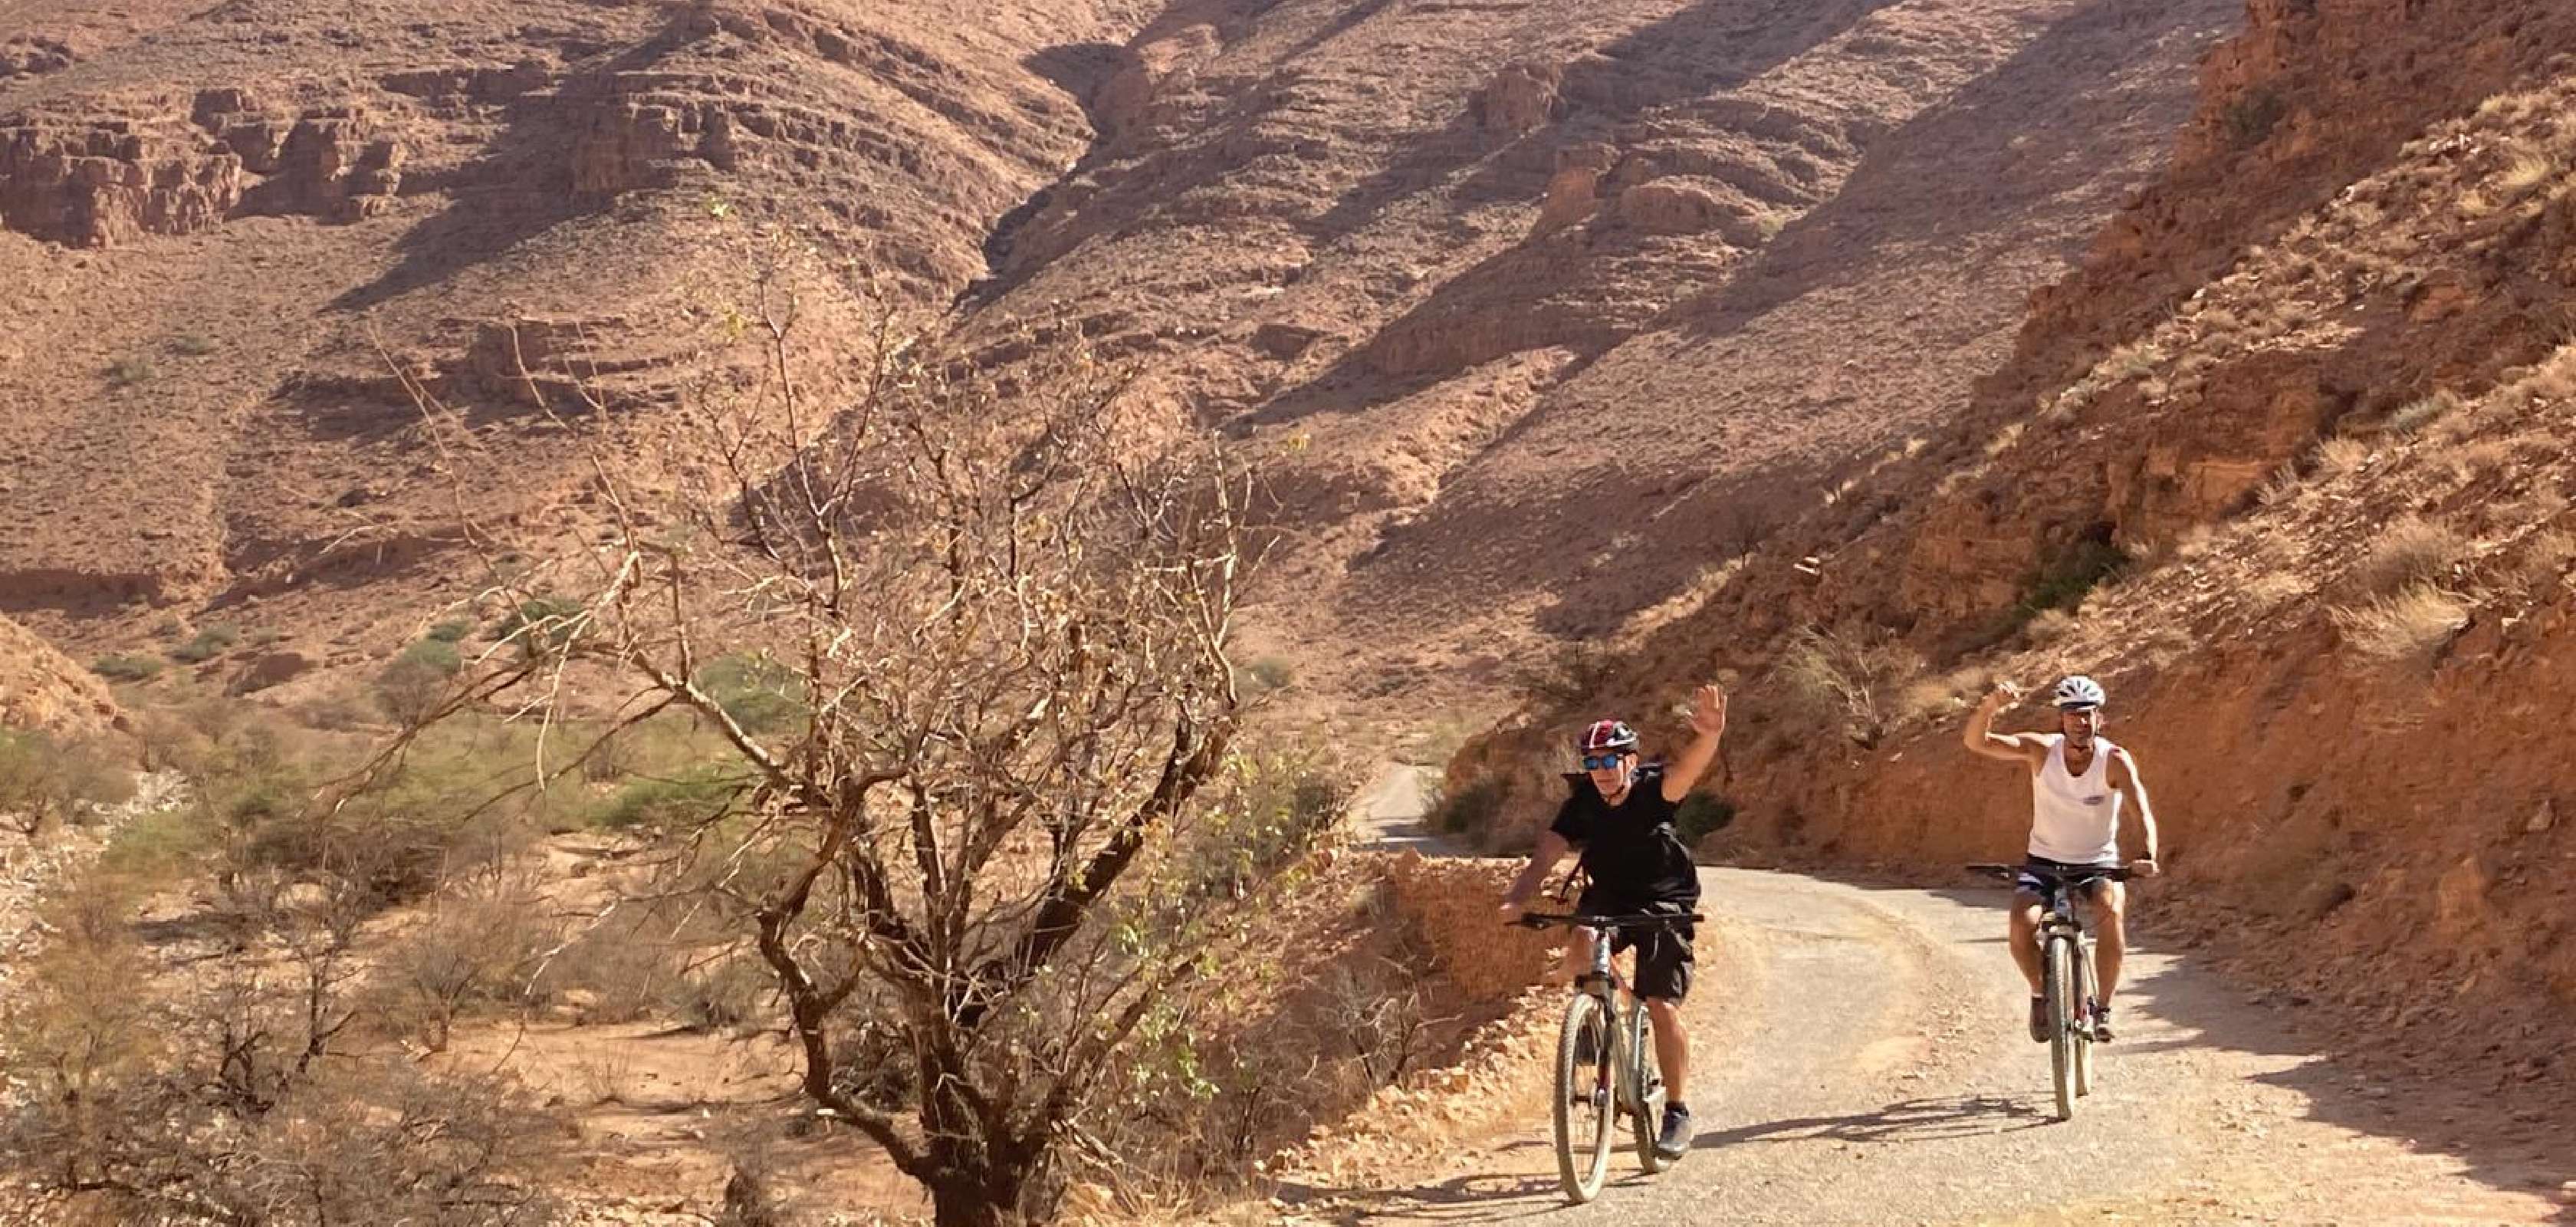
<point x="1645" y="1097"/>
<point x="1585" y="1087"/>
<point x="2084" y="1032"/>
<point x="2062" y="1013"/>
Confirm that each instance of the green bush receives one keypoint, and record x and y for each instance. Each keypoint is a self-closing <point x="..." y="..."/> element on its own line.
<point x="692" y="798"/>
<point x="1270" y="673"/>
<point x="127" y="667"/>
<point x="540" y="625"/>
<point x="2250" y="119"/>
<point x="1274" y="805"/>
<point x="1700" y="815"/>
<point x="208" y="643"/>
<point x="1472" y="808"/>
<point x="413" y="686"/>
<point x="762" y="695"/>
<point x="2063" y="581"/>
<point x="454" y="630"/>
<point x="127" y="372"/>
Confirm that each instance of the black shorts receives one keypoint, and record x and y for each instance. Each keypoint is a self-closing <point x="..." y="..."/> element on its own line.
<point x="2037" y="870"/>
<point x="1663" y="953"/>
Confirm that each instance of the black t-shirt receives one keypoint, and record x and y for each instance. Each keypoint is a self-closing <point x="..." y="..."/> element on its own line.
<point x="1630" y="849"/>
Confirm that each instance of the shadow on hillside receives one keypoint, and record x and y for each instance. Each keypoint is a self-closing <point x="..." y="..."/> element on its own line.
<point x="1708" y="48"/>
<point x="2011" y="159"/>
<point x="2470" y="1116"/>
<point x="520" y="187"/>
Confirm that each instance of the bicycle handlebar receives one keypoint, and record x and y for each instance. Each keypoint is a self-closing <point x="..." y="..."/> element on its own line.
<point x="1638" y="920"/>
<point x="2011" y="873"/>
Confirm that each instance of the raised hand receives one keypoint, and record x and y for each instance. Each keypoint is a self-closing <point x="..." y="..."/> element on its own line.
<point x="1708" y="711"/>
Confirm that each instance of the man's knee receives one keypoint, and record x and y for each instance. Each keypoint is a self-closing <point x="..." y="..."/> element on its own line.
<point x="2111" y="906"/>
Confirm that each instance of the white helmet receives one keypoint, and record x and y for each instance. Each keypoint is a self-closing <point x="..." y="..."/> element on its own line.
<point x="2079" y="692"/>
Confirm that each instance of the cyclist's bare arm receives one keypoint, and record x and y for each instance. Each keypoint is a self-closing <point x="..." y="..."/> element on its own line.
<point x="2128" y="783"/>
<point x="2028" y="749"/>
<point x="1551" y="849"/>
<point x="1708" y="725"/>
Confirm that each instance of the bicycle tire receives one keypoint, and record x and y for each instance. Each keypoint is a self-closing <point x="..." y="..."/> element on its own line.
<point x="2084" y="1034"/>
<point x="1646" y="1089"/>
<point x="1583" y="1138"/>
<point x="2061" y="1023"/>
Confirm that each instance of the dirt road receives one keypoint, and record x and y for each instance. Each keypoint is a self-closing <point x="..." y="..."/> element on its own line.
<point x="1861" y="1062"/>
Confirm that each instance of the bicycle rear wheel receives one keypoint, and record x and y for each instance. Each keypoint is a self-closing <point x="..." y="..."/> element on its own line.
<point x="1645" y="1097"/>
<point x="1585" y="1085"/>
<point x="2062" y="1013"/>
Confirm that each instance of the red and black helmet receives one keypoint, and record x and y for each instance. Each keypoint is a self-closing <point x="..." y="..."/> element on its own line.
<point x="1607" y="735"/>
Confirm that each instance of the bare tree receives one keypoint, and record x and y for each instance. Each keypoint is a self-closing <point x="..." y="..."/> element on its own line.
<point x="1000" y="607"/>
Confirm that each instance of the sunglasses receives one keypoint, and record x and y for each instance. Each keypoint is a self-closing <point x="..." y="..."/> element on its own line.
<point x="1602" y="762"/>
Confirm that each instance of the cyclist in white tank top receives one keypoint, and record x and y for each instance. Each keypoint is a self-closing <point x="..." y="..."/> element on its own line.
<point x="2078" y="781"/>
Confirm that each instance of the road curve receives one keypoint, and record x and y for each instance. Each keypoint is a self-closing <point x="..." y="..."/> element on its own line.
<point x="1861" y="1061"/>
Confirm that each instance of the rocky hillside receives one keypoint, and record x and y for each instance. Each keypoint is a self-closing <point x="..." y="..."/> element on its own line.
<point x="1548" y="306"/>
<point x="2284" y="465"/>
<point x="41" y="689"/>
<point x="226" y="228"/>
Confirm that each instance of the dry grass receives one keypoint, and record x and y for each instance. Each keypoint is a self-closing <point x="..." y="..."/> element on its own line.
<point x="2529" y="169"/>
<point x="2546" y="555"/>
<point x="2414" y="416"/>
<point x="2195" y="542"/>
<point x="2281" y="488"/>
<point x="2275" y="589"/>
<point x="2412" y="551"/>
<point x="2004" y="439"/>
<point x="2048" y="626"/>
<point x="2478" y="459"/>
<point x="2409" y="626"/>
<point x="2341" y="455"/>
<point x="2132" y="360"/>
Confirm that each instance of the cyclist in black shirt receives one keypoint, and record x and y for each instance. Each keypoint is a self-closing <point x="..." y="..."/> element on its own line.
<point x="1621" y="817"/>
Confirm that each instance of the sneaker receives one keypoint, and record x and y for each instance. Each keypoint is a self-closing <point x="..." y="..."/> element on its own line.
<point x="2101" y="1023"/>
<point x="2039" y="1020"/>
<point x="1675" y="1139"/>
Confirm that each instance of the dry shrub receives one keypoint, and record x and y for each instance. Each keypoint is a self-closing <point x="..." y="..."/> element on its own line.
<point x="2528" y="169"/>
<point x="2407" y="627"/>
<point x="2275" y="588"/>
<point x="45" y="779"/>
<point x="2341" y="455"/>
<point x="2282" y="488"/>
<point x="734" y="991"/>
<point x="227" y="1098"/>
<point x="620" y="969"/>
<point x="2413" y="416"/>
<point x="2047" y="627"/>
<point x="2410" y="551"/>
<point x="1845" y="680"/>
<point x="479" y="947"/>
<point x="2546" y="555"/>
<point x="2481" y="458"/>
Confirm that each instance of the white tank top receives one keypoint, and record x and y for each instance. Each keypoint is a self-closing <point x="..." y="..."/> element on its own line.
<point x="2075" y="820"/>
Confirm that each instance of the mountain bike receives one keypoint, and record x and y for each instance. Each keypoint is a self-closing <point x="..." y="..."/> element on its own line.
<point x="1605" y="1066"/>
<point x="2066" y="963"/>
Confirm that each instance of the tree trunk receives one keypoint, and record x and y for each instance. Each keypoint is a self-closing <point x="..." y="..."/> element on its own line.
<point x="969" y="1197"/>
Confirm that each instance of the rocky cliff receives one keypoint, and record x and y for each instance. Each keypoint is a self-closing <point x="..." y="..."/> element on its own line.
<point x="2282" y="465"/>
